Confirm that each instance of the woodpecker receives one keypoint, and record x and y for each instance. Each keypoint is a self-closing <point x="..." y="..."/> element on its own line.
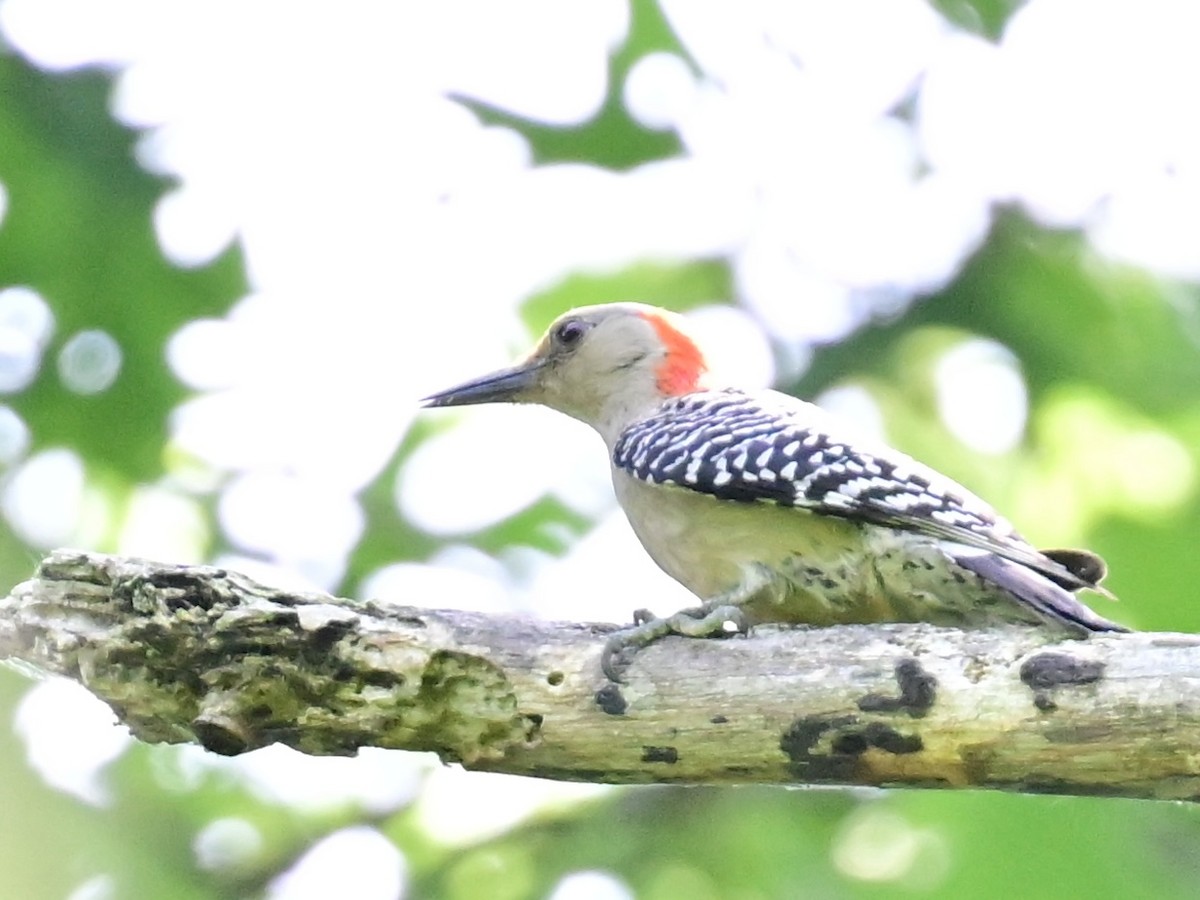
<point x="766" y="507"/>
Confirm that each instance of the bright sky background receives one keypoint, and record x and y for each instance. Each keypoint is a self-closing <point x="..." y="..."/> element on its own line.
<point x="390" y="237"/>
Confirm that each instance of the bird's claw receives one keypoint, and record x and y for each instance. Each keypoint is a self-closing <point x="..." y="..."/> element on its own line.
<point x="700" y="622"/>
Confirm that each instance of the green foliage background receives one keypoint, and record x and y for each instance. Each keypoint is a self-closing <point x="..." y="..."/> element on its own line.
<point x="1106" y="352"/>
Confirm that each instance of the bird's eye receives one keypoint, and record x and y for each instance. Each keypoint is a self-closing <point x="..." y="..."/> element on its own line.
<point x="569" y="333"/>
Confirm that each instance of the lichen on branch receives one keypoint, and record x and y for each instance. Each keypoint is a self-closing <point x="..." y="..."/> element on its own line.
<point x="205" y="655"/>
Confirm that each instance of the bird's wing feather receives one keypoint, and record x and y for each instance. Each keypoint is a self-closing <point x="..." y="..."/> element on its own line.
<point x="770" y="447"/>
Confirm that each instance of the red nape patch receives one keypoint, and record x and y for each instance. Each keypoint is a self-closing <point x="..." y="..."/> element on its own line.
<point x="683" y="367"/>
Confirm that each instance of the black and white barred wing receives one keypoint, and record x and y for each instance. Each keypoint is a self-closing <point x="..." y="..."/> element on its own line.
<point x="771" y="447"/>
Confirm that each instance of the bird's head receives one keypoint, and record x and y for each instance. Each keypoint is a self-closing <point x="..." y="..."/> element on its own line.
<point x="604" y="365"/>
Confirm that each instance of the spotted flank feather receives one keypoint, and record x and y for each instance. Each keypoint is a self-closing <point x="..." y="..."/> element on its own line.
<point x="770" y="447"/>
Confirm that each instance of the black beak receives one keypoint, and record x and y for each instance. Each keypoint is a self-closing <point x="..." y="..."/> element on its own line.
<point x="505" y="386"/>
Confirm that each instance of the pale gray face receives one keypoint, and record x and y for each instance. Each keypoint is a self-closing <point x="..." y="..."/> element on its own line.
<point x="591" y="362"/>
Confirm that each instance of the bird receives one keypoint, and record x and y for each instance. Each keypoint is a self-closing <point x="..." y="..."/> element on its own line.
<point x="767" y="507"/>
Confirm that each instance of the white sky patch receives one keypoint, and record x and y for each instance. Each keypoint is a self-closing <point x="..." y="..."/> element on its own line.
<point x="735" y="346"/>
<point x="586" y="585"/>
<point x="191" y="229"/>
<point x="303" y="523"/>
<point x="43" y="499"/>
<point x="377" y="781"/>
<point x="227" y="843"/>
<point x="591" y="885"/>
<point x="70" y="736"/>
<point x="854" y="404"/>
<point x="441" y="586"/>
<point x="494" y="462"/>
<point x="461" y="808"/>
<point x="355" y="862"/>
<point x="792" y="108"/>
<point x="660" y="90"/>
<point x="1120" y="230"/>
<point x="160" y="523"/>
<point x="1068" y="119"/>
<point x="26" y="325"/>
<point x="191" y="349"/>
<point x="14" y="436"/>
<point x="317" y="389"/>
<point x="981" y="395"/>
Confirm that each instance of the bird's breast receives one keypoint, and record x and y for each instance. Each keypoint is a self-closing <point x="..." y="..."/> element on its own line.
<point x="826" y="570"/>
<point x="709" y="545"/>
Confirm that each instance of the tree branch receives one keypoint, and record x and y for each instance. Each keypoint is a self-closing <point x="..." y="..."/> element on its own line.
<point x="195" y="653"/>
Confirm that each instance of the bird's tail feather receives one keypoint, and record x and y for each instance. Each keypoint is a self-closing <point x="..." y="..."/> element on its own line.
<point x="1039" y="592"/>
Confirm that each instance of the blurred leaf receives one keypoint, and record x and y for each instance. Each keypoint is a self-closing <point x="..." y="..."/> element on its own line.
<point x="1009" y="845"/>
<point x="747" y="842"/>
<point x="611" y="139"/>
<point x="678" y="286"/>
<point x="42" y="831"/>
<point x="986" y="18"/>
<point x="1065" y="313"/>
<point x="78" y="230"/>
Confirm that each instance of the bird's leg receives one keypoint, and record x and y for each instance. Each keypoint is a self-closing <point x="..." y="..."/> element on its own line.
<point x="704" y="621"/>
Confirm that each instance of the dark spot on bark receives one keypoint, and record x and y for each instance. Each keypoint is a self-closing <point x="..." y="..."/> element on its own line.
<point x="554" y="679"/>
<point x="179" y="589"/>
<point x="1045" y="671"/>
<point x="281" y="618"/>
<point x="610" y="699"/>
<point x="178" y="578"/>
<point x="918" y="690"/>
<point x="533" y="730"/>
<point x="917" y="687"/>
<point x="853" y="743"/>
<point x="1050" y="670"/>
<point x="887" y="738"/>
<point x="330" y="633"/>
<point x="220" y="737"/>
<point x="719" y="720"/>
<point x="877" y="734"/>
<point x="382" y="678"/>
<point x="802" y="737"/>
<point x="667" y="755"/>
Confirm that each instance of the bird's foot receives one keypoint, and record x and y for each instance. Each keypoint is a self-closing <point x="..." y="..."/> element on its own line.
<point x="705" y="621"/>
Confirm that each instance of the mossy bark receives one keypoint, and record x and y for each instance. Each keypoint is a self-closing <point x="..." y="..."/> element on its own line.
<point x="199" y="654"/>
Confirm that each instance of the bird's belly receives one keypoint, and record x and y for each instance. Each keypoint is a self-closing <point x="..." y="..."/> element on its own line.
<point x="714" y="546"/>
<point x="824" y="570"/>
